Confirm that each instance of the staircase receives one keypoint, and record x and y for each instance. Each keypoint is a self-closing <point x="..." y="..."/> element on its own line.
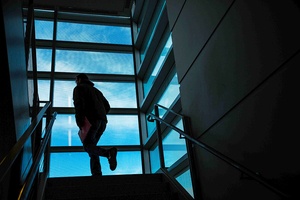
<point x="121" y="187"/>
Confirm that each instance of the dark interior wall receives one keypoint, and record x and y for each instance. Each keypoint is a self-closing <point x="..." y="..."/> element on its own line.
<point x="236" y="63"/>
<point x="14" y="91"/>
<point x="13" y="21"/>
<point x="7" y="128"/>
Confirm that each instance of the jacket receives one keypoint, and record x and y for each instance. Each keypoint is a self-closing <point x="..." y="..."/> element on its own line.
<point x="89" y="102"/>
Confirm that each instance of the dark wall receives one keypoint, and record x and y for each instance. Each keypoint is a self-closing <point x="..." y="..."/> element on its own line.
<point x="14" y="99"/>
<point x="7" y="128"/>
<point x="13" y="24"/>
<point x="236" y="63"/>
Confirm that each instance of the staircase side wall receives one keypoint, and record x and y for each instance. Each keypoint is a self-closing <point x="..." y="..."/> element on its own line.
<point x="236" y="63"/>
<point x="14" y="99"/>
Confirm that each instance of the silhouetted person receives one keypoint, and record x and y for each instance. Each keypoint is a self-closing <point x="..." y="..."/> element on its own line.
<point x="89" y="102"/>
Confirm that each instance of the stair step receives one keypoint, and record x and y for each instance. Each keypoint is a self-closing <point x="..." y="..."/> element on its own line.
<point x="162" y="196"/>
<point x="96" y="190"/>
<point x="120" y="187"/>
<point x="116" y="179"/>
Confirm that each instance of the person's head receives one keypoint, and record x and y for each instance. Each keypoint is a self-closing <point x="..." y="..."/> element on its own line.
<point x="80" y="77"/>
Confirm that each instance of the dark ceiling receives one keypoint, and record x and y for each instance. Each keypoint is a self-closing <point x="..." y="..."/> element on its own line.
<point x="109" y="7"/>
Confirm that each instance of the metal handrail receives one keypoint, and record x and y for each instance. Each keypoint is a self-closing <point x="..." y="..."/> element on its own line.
<point x="35" y="166"/>
<point x="228" y="160"/>
<point x="10" y="158"/>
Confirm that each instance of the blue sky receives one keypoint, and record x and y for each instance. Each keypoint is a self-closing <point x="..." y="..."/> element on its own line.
<point x="121" y="129"/>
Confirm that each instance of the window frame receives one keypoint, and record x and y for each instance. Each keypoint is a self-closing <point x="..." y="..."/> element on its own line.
<point x="80" y="17"/>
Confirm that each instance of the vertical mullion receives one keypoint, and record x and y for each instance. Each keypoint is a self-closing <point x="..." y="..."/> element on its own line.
<point x="138" y="90"/>
<point x="53" y="57"/>
<point x="51" y="86"/>
<point x="34" y="66"/>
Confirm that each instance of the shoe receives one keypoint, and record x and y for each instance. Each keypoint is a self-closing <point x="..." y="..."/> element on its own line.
<point x="112" y="158"/>
<point x="98" y="174"/>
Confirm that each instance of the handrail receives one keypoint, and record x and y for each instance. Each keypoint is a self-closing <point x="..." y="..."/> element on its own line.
<point x="9" y="159"/>
<point x="228" y="160"/>
<point x="35" y="166"/>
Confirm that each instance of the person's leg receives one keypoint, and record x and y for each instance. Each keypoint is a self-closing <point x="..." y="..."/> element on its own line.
<point x="90" y="143"/>
<point x="112" y="158"/>
<point x="90" y="146"/>
<point x="95" y="165"/>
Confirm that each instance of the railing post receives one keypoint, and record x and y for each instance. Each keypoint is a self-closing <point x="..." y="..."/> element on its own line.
<point x="159" y="139"/>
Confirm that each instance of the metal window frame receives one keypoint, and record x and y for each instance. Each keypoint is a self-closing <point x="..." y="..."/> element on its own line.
<point x="53" y="44"/>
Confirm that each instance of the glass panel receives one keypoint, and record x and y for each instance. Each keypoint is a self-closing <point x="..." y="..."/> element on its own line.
<point x="78" y="164"/>
<point x="30" y="63"/>
<point x="65" y="131"/>
<point x="43" y="127"/>
<point x="44" y="90"/>
<point x="166" y="100"/>
<point x="43" y="59"/>
<point x="94" y="62"/>
<point x="63" y="93"/>
<point x="174" y="148"/>
<point x="77" y="32"/>
<point x="151" y="28"/>
<point x="119" y="95"/>
<point x="30" y="86"/>
<point x="44" y="29"/>
<point x="154" y="159"/>
<point x="41" y="167"/>
<point x="186" y="182"/>
<point x="120" y="130"/>
<point x="159" y="63"/>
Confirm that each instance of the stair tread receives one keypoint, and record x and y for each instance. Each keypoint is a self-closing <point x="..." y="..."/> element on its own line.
<point x="120" y="187"/>
<point x="89" y="180"/>
<point x="148" y="196"/>
<point x="95" y="190"/>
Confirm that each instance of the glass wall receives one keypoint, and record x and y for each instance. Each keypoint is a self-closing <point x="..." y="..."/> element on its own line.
<point x="151" y="28"/>
<point x="158" y="83"/>
<point x="72" y="56"/>
<point x="157" y="61"/>
<point x="169" y="95"/>
<point x="105" y="52"/>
